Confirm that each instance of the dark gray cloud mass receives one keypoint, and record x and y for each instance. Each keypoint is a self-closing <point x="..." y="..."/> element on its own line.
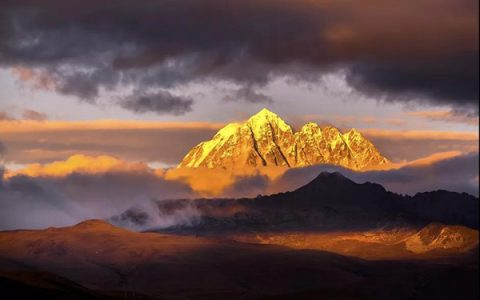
<point x="397" y="50"/>
<point x="39" y="202"/>
<point x="443" y="80"/>
<point x="247" y="94"/>
<point x="159" y="102"/>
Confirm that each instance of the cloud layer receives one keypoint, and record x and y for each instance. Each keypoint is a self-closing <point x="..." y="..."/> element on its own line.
<point x="42" y="201"/>
<point x="167" y="143"/>
<point x="80" y="188"/>
<point x="159" y="102"/>
<point x="387" y="48"/>
<point x="30" y="114"/>
<point x="457" y="173"/>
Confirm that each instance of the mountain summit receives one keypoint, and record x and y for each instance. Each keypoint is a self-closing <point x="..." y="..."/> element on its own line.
<point x="266" y="140"/>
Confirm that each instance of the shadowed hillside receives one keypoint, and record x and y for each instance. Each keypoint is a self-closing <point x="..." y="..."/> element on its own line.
<point x="104" y="260"/>
<point x="329" y="202"/>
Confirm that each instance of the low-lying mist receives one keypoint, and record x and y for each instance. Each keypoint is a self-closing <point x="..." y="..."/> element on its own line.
<point x="42" y="201"/>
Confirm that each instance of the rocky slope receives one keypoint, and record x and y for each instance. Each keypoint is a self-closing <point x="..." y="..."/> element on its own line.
<point x="266" y="140"/>
<point x="432" y="241"/>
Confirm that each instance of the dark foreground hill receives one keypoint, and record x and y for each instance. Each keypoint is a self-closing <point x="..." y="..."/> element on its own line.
<point x="329" y="202"/>
<point x="95" y="260"/>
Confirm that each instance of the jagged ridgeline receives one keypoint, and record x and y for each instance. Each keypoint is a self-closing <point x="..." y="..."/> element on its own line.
<point x="266" y="140"/>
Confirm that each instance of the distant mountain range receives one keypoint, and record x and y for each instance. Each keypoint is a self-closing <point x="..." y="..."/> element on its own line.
<point x="266" y="140"/>
<point x="329" y="202"/>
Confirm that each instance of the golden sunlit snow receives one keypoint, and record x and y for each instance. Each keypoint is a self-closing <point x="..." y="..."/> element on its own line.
<point x="266" y="140"/>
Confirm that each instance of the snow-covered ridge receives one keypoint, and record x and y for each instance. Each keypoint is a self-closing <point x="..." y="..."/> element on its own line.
<point x="266" y="140"/>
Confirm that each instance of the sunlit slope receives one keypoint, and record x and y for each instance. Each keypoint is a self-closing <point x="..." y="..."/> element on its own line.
<point x="432" y="241"/>
<point x="104" y="258"/>
<point x="266" y="140"/>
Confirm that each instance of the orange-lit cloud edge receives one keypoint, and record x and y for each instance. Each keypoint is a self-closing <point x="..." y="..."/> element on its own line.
<point x="13" y="126"/>
<point x="209" y="182"/>
<point x="46" y="141"/>
<point x="203" y="181"/>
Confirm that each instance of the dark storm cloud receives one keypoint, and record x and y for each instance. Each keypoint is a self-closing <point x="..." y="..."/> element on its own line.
<point x="159" y="102"/>
<point x="247" y="94"/>
<point x="398" y="50"/>
<point x="441" y="80"/>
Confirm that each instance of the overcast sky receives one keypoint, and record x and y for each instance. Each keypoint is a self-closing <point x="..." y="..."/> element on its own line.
<point x="100" y="99"/>
<point x="372" y="65"/>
